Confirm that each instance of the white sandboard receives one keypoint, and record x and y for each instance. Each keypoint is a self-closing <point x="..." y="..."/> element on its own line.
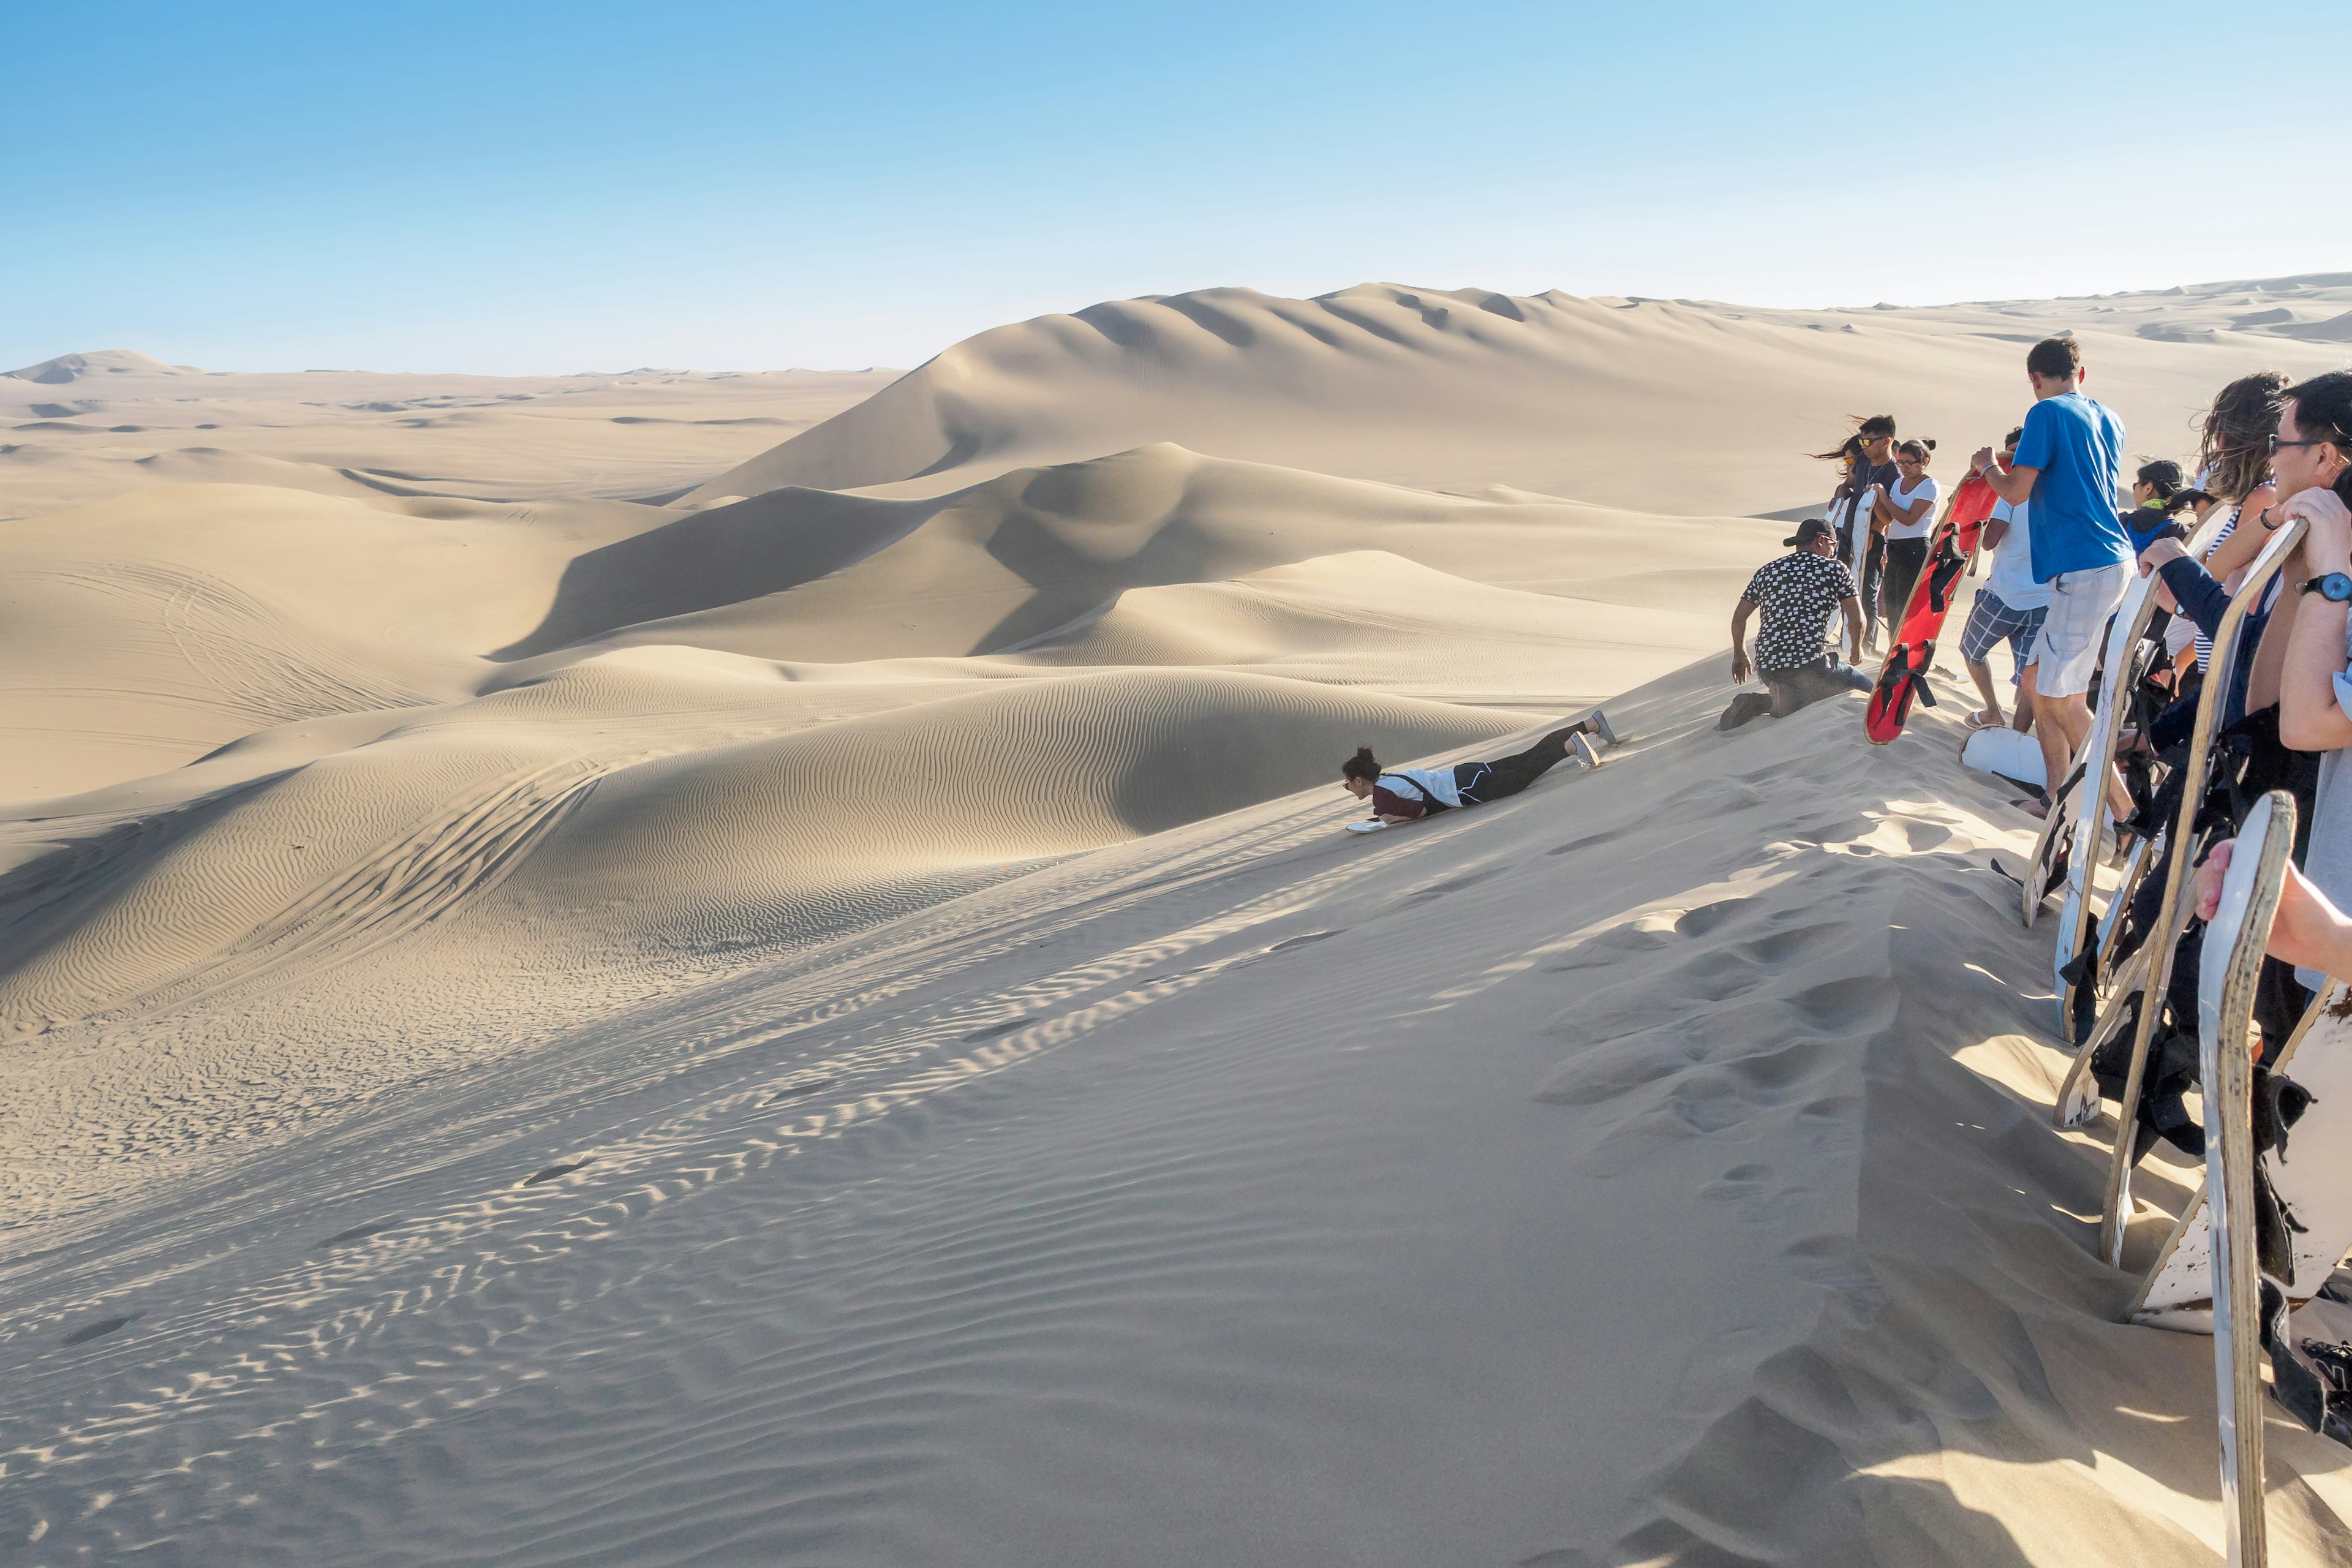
<point x="1838" y="516"/>
<point x="2007" y="754"/>
<point x="2122" y="668"/>
<point x="2051" y="846"/>
<point x="2232" y="964"/>
<point x="2315" y="1180"/>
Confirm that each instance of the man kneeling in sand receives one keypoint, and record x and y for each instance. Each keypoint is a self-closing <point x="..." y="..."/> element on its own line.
<point x="1797" y="594"/>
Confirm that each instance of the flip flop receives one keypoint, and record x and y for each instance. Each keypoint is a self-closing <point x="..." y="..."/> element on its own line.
<point x="1976" y="721"/>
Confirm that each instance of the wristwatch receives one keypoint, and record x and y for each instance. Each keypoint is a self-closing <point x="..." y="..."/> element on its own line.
<point x="2333" y="586"/>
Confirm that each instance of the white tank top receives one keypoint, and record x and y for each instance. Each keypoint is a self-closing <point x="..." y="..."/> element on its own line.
<point x="1899" y="497"/>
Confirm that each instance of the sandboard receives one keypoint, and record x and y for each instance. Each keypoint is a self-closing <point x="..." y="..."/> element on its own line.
<point x="2006" y="754"/>
<point x="2127" y="659"/>
<point x="2314" y="1180"/>
<point x="1852" y="550"/>
<point x="2172" y="915"/>
<point x="1903" y="678"/>
<point x="2232" y="964"/>
<point x="2045" y="873"/>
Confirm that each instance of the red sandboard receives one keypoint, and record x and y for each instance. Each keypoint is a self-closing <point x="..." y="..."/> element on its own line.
<point x="1904" y="675"/>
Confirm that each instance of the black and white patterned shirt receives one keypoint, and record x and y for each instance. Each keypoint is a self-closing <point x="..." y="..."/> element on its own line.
<point x="1797" y="594"/>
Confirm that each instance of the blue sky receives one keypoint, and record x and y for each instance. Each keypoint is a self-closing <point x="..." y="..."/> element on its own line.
<point x="526" y="187"/>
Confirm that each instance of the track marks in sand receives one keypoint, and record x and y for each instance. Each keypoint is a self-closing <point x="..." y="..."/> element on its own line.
<point x="245" y="656"/>
<point x="408" y="1323"/>
<point x="461" y="849"/>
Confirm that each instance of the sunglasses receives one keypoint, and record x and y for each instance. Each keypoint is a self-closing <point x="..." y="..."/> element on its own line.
<point x="2276" y="443"/>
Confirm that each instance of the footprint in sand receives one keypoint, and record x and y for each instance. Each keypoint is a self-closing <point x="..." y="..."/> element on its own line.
<point x="1587" y="842"/>
<point x="1785" y="949"/>
<point x="803" y="1090"/>
<point x="88" y="1332"/>
<point x="1707" y="917"/>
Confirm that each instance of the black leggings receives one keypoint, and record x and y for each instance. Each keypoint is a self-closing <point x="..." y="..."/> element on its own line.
<point x="1903" y="559"/>
<point x="1482" y="782"/>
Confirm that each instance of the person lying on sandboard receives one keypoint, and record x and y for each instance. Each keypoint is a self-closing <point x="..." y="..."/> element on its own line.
<point x="1408" y="794"/>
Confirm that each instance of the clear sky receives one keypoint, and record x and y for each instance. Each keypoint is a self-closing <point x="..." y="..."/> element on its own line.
<point x="547" y="187"/>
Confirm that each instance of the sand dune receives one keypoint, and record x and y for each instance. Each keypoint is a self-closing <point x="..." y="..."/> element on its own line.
<point x="80" y="428"/>
<point x="831" y="1019"/>
<point x="1023" y="554"/>
<point x="1661" y="405"/>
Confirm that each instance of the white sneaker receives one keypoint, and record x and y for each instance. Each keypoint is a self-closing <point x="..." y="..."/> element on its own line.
<point x="1585" y="750"/>
<point x="1608" y="732"/>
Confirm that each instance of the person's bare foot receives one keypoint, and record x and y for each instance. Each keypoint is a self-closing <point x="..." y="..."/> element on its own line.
<point x="1985" y="719"/>
<point x="2035" y="805"/>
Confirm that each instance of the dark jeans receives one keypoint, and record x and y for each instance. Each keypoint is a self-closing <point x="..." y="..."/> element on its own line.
<point x="1903" y="559"/>
<point x="1868" y="574"/>
<point x="1786" y="691"/>
<point x="1809" y="683"/>
<point x="1509" y="775"/>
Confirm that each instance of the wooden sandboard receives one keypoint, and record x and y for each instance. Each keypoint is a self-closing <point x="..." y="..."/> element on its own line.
<point x="2231" y="966"/>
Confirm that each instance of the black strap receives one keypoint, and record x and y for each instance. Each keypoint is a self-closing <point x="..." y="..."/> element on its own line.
<point x="1427" y="799"/>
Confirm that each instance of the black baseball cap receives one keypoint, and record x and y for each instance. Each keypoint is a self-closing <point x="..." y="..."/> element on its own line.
<point x="1812" y="527"/>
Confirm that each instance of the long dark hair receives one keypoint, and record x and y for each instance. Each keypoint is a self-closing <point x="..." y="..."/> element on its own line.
<point x="1867" y="428"/>
<point x="1361" y="766"/>
<point x="2236" y="450"/>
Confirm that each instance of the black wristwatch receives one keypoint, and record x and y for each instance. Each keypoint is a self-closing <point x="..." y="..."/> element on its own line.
<point x="2333" y="586"/>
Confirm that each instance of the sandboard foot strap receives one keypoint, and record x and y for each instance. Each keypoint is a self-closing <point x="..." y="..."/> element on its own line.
<point x="2302" y="1381"/>
<point x="2332" y="1365"/>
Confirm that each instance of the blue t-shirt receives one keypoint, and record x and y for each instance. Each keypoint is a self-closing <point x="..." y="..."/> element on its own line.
<point x="2078" y="446"/>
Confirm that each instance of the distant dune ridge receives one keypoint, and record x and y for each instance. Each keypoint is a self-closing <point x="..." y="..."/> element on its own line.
<point x="1658" y="404"/>
<point x="705" y="967"/>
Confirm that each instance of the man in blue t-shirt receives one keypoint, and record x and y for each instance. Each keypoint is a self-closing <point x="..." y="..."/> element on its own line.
<point x="2068" y="460"/>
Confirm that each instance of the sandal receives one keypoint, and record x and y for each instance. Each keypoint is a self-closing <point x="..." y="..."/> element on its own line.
<point x="1976" y="721"/>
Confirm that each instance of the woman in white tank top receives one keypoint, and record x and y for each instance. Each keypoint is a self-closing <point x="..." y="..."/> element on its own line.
<point x="1909" y="510"/>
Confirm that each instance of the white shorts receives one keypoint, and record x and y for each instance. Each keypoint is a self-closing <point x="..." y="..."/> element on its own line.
<point x="2067" y="650"/>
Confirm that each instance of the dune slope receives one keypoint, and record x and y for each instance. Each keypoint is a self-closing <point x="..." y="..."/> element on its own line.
<point x="1652" y="1168"/>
